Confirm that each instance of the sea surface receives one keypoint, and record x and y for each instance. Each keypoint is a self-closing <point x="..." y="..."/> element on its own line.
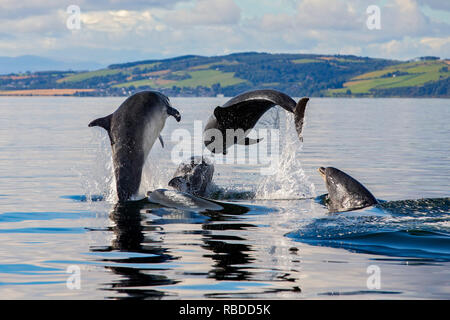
<point x="63" y="237"/>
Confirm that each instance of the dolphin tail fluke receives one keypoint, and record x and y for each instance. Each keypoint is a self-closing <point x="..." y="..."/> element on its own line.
<point x="104" y="122"/>
<point x="299" y="115"/>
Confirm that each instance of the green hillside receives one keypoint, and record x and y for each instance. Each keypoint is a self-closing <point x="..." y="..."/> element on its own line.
<point x="295" y="74"/>
<point x="404" y="75"/>
<point x="89" y="75"/>
<point x="193" y="79"/>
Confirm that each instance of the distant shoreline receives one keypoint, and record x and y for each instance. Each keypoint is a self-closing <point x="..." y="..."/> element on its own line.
<point x="44" y="92"/>
<point x="297" y="75"/>
<point x="81" y="93"/>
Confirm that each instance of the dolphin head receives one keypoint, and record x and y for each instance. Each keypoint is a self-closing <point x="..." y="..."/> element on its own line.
<point x="180" y="183"/>
<point x="322" y="172"/>
<point x="167" y="106"/>
<point x="344" y="192"/>
<point x="157" y="105"/>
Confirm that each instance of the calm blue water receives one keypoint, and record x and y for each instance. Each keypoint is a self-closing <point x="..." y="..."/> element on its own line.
<point x="57" y="209"/>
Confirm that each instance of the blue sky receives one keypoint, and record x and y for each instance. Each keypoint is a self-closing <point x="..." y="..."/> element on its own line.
<point x="126" y="30"/>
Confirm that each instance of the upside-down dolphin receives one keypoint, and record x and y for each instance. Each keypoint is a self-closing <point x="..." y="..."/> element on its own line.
<point x="193" y="176"/>
<point x="344" y="192"/>
<point x="242" y="113"/>
<point x="133" y="129"/>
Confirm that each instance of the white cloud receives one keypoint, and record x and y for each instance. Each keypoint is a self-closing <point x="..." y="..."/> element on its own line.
<point x="120" y="22"/>
<point x="408" y="48"/>
<point x="126" y="30"/>
<point x="25" y="8"/>
<point x="324" y="14"/>
<point x="436" y="44"/>
<point x="206" y="12"/>
<point x="404" y="18"/>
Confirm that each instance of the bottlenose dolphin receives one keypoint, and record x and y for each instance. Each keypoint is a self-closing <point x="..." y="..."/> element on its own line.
<point x="344" y="192"/>
<point x="242" y="113"/>
<point x="133" y="129"/>
<point x="193" y="176"/>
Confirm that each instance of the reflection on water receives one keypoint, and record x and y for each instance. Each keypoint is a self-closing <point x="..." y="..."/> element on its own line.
<point x="129" y="237"/>
<point x="410" y="228"/>
<point x="139" y="231"/>
<point x="55" y="208"/>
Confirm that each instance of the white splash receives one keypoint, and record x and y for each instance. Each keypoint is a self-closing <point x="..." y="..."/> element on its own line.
<point x="156" y="173"/>
<point x="290" y="180"/>
<point x="99" y="178"/>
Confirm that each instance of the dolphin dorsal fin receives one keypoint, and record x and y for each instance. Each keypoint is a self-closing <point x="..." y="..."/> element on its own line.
<point x="104" y="122"/>
<point x="218" y="113"/>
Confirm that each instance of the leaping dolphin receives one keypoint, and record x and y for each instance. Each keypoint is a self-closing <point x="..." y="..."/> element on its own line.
<point x="133" y="129"/>
<point x="243" y="112"/>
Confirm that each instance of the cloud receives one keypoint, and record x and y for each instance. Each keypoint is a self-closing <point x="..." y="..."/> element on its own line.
<point x="321" y="26"/>
<point x="404" y="18"/>
<point x="436" y="4"/>
<point x="324" y="14"/>
<point x="206" y="12"/>
<point x="125" y="30"/>
<point x="411" y="47"/>
<point x="276" y="22"/>
<point x="120" y="22"/>
<point x="24" y="8"/>
<point x="44" y="24"/>
<point x="436" y="44"/>
<point x="12" y="9"/>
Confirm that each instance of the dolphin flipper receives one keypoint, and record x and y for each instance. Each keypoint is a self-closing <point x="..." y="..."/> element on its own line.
<point x="249" y="141"/>
<point x="161" y="140"/>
